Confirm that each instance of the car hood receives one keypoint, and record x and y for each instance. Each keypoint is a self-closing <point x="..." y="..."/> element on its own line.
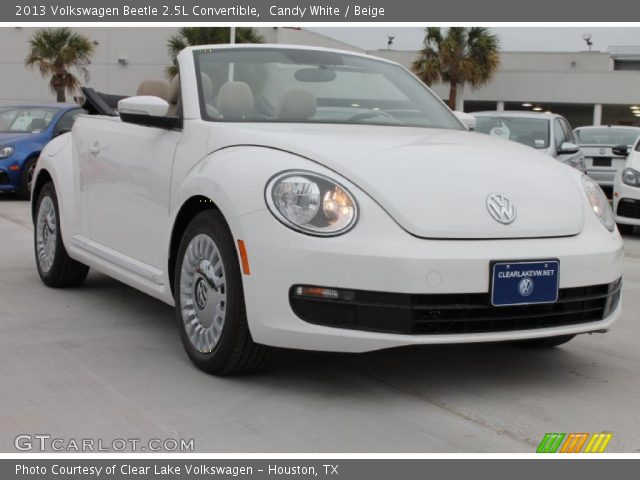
<point x="435" y="182"/>
<point x="11" y="137"/>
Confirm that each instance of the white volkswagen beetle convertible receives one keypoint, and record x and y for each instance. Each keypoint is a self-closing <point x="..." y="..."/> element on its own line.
<point x="323" y="200"/>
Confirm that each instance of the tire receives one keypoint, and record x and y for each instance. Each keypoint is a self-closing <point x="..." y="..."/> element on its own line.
<point x="55" y="267"/>
<point x="209" y="300"/>
<point x="26" y="181"/>
<point x="625" y="229"/>
<point x="548" y="342"/>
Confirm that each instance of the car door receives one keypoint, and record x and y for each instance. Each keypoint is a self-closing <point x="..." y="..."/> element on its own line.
<point x="126" y="192"/>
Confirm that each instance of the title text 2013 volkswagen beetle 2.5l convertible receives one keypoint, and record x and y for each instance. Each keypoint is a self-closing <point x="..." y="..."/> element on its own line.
<point x="323" y="200"/>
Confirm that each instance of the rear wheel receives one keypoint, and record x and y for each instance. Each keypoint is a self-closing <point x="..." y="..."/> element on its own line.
<point x="548" y="342"/>
<point x="26" y="182"/>
<point x="210" y="300"/>
<point x="55" y="267"/>
<point x="625" y="229"/>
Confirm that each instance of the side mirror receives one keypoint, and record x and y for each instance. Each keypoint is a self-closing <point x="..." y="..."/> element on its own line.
<point x="467" y="119"/>
<point x="620" y="150"/>
<point x="147" y="110"/>
<point x="568" y="148"/>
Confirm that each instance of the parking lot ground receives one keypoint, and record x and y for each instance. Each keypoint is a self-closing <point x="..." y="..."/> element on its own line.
<point x="104" y="362"/>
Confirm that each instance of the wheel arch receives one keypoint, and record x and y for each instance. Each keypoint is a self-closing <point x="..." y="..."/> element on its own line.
<point x="42" y="179"/>
<point x="189" y="209"/>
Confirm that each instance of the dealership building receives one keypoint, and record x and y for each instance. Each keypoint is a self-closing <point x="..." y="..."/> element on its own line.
<point x="587" y="87"/>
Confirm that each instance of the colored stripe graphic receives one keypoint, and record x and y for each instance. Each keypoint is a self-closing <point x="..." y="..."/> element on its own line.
<point x="574" y="443"/>
<point x="598" y="443"/>
<point x="550" y="443"/>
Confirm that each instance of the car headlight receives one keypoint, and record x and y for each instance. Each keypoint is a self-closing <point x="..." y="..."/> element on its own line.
<point x="599" y="203"/>
<point x="6" y="151"/>
<point x="311" y="203"/>
<point x="631" y="177"/>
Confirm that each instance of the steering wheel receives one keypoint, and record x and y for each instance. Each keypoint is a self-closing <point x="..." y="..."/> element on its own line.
<point x="371" y="114"/>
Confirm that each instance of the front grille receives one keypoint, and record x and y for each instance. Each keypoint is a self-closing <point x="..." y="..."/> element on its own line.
<point x="448" y="314"/>
<point x="4" y="178"/>
<point x="629" y="208"/>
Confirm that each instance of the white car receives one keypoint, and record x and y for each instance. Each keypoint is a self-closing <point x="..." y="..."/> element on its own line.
<point x="547" y="132"/>
<point x="626" y="191"/>
<point x="605" y="150"/>
<point x="323" y="200"/>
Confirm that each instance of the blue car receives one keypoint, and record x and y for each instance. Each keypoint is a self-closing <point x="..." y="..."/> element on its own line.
<point x="24" y="131"/>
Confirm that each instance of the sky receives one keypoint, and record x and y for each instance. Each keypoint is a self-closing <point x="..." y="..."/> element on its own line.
<point x="512" y="38"/>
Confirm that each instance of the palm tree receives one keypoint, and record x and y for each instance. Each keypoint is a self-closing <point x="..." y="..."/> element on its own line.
<point x="190" y="36"/>
<point x="459" y="56"/>
<point x="56" y="52"/>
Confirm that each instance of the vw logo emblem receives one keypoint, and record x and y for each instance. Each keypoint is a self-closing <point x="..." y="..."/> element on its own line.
<point x="525" y="287"/>
<point x="501" y="208"/>
<point x="602" y="151"/>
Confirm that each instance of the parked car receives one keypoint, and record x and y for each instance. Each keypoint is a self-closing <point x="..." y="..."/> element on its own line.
<point x="604" y="149"/>
<point x="547" y="132"/>
<point x="323" y="200"/>
<point x="626" y="197"/>
<point x="24" y="131"/>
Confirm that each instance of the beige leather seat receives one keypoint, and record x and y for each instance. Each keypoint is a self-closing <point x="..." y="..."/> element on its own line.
<point x="235" y="101"/>
<point x="296" y="104"/>
<point x="154" y="88"/>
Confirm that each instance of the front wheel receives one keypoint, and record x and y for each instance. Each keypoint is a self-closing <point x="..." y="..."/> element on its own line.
<point x="26" y="182"/>
<point x="547" y="342"/>
<point x="210" y="300"/>
<point x="55" y="267"/>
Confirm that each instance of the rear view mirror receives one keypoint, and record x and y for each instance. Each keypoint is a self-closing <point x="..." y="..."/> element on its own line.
<point x="568" y="148"/>
<point x="315" y="75"/>
<point x="620" y="150"/>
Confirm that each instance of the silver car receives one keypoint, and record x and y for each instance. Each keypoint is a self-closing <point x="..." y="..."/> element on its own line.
<point x="548" y="132"/>
<point x="605" y="149"/>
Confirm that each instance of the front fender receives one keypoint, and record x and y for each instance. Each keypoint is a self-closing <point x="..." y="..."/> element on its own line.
<point x="234" y="179"/>
<point x="56" y="159"/>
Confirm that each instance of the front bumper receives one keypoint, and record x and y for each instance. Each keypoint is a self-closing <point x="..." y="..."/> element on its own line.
<point x="379" y="256"/>
<point x="8" y="178"/>
<point x="626" y="204"/>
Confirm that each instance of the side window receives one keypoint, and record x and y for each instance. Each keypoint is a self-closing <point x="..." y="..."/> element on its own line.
<point x="558" y="133"/>
<point x="66" y="122"/>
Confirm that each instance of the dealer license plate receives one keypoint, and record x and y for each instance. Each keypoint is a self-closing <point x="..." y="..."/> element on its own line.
<point x="522" y="283"/>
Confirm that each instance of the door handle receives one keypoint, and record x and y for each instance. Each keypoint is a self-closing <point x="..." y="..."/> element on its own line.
<point x="94" y="149"/>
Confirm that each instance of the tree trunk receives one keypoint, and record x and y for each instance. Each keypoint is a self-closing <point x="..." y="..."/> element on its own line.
<point x="453" y="93"/>
<point x="61" y="96"/>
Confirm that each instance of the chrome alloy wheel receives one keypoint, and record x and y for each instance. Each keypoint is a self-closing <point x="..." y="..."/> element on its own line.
<point x="46" y="228"/>
<point x="203" y="294"/>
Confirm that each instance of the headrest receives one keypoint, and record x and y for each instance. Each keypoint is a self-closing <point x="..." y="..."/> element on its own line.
<point x="154" y="88"/>
<point x="296" y="103"/>
<point x="235" y="100"/>
<point x="207" y="87"/>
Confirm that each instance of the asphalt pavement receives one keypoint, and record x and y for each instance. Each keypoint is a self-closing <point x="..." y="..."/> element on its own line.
<point x="104" y="361"/>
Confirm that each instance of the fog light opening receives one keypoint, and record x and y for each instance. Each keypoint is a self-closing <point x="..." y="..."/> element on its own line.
<point x="321" y="292"/>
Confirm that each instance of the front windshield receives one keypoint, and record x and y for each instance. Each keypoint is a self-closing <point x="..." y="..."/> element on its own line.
<point x="533" y="132"/>
<point x="606" y="136"/>
<point x="26" y="119"/>
<point x="311" y="86"/>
